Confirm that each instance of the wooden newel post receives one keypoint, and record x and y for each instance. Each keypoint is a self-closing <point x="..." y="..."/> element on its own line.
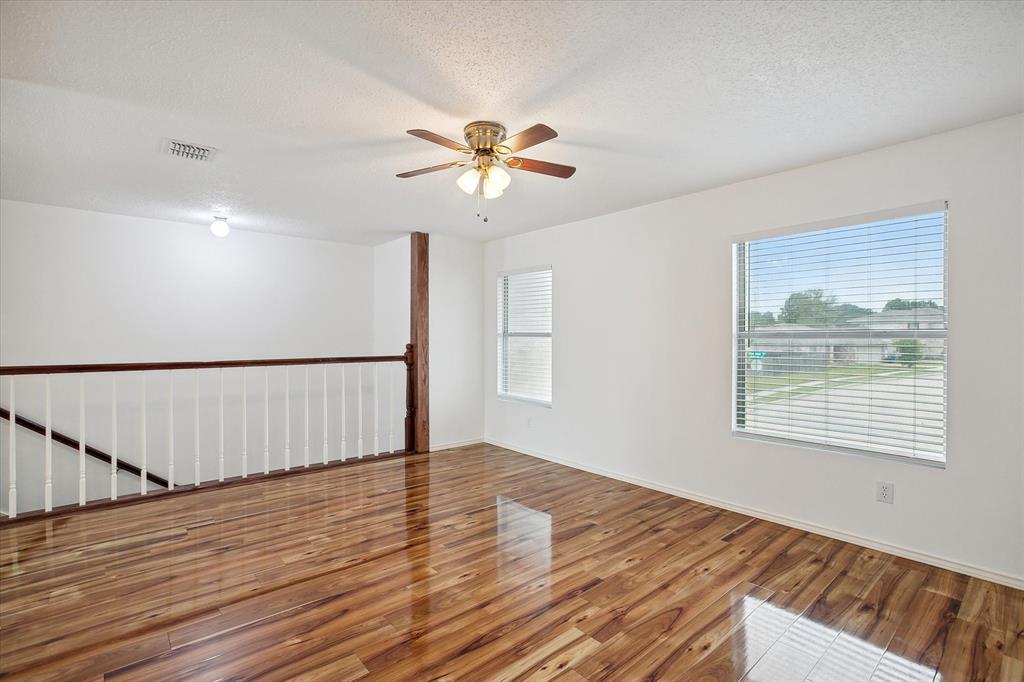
<point x="410" y="399"/>
<point x="419" y="334"/>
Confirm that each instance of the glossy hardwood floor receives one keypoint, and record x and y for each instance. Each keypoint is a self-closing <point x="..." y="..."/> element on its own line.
<point x="478" y="564"/>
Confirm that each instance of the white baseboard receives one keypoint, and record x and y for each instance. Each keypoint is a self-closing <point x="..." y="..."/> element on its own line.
<point x="967" y="569"/>
<point x="457" y="444"/>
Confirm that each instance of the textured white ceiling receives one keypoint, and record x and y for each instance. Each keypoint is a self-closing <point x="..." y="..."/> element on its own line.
<point x="308" y="102"/>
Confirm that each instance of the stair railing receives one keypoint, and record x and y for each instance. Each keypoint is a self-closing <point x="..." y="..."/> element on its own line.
<point x="357" y="414"/>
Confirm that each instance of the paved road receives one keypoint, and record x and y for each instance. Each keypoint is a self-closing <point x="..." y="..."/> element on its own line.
<point x="853" y="378"/>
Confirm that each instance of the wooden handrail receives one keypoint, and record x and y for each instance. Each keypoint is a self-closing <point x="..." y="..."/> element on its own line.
<point x="70" y="442"/>
<point x="10" y="370"/>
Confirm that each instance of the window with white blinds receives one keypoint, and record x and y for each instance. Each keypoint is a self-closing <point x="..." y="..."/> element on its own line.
<point x="840" y="337"/>
<point x="524" y="335"/>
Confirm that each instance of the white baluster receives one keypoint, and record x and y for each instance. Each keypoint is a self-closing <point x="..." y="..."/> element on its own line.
<point x="220" y="462"/>
<point x="305" y="413"/>
<point x="195" y="404"/>
<point x="142" y="429"/>
<point x="170" y="430"/>
<point x="245" y="429"/>
<point x="12" y="456"/>
<point x="343" y="429"/>
<point x="266" y="420"/>
<point x="359" y="402"/>
<point x="325" y="413"/>
<point x="81" y="439"/>
<point x="287" y="422"/>
<point x="376" y="406"/>
<point x="391" y="407"/>
<point x="113" y="436"/>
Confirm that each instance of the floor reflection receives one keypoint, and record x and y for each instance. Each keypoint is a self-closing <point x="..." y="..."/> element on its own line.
<point x="523" y="540"/>
<point x="418" y="540"/>
<point x="787" y="647"/>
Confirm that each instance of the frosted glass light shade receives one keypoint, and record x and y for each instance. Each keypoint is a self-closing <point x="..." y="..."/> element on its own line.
<point x="491" y="189"/>
<point x="498" y="177"/>
<point x="468" y="181"/>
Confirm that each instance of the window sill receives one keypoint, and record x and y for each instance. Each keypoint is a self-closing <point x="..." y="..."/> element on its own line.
<point x="903" y="459"/>
<point x="528" y="401"/>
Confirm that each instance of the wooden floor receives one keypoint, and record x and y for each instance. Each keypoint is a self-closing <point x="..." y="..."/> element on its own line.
<point x="478" y="564"/>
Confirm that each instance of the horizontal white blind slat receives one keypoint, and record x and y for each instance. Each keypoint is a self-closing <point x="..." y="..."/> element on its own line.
<point x="841" y="336"/>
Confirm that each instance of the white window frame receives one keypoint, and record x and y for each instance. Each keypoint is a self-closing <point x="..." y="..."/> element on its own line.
<point x="500" y="360"/>
<point x="849" y="221"/>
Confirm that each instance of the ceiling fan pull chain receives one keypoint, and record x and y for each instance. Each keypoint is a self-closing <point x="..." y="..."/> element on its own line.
<point x="482" y="214"/>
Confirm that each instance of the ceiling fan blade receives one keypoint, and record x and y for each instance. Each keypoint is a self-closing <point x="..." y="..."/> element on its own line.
<point x="529" y="137"/>
<point x="431" y="169"/>
<point x="438" y="139"/>
<point x="545" y="167"/>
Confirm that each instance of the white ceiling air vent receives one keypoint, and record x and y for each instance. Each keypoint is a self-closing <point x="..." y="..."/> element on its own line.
<point x="187" y="150"/>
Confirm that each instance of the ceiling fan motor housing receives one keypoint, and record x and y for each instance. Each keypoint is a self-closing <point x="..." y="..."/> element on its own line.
<point x="484" y="135"/>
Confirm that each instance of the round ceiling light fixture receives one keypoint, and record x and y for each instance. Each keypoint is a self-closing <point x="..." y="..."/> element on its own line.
<point x="219" y="227"/>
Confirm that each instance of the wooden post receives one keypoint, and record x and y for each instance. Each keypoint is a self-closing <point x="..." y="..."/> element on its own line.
<point x="410" y="400"/>
<point x="419" y="336"/>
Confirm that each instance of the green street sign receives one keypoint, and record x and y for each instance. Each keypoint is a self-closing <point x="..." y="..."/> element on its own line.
<point x="757" y="353"/>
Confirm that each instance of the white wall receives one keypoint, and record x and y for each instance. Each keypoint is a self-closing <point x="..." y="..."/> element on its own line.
<point x="642" y="351"/>
<point x="391" y="273"/>
<point x="456" y="351"/>
<point x="456" y="309"/>
<point x="79" y="286"/>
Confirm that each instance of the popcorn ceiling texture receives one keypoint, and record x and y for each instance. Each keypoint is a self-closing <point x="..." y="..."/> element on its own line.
<point x="307" y="103"/>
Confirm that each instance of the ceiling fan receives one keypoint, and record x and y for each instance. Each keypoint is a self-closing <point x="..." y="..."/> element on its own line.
<point x="489" y="149"/>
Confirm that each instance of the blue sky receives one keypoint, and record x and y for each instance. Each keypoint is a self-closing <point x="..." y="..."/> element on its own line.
<point x="866" y="265"/>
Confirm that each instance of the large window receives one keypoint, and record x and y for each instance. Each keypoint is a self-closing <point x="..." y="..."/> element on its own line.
<point x="524" y="335"/>
<point x="840" y="337"/>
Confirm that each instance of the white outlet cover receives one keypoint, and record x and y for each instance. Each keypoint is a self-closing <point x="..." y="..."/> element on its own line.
<point x="885" y="492"/>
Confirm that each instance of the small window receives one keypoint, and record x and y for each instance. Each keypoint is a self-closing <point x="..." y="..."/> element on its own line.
<point x="840" y="337"/>
<point x="524" y="335"/>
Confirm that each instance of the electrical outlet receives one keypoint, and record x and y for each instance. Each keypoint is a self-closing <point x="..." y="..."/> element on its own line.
<point x="884" y="491"/>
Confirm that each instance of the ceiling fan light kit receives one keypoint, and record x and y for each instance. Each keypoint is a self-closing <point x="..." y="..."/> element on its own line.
<point x="490" y="149"/>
